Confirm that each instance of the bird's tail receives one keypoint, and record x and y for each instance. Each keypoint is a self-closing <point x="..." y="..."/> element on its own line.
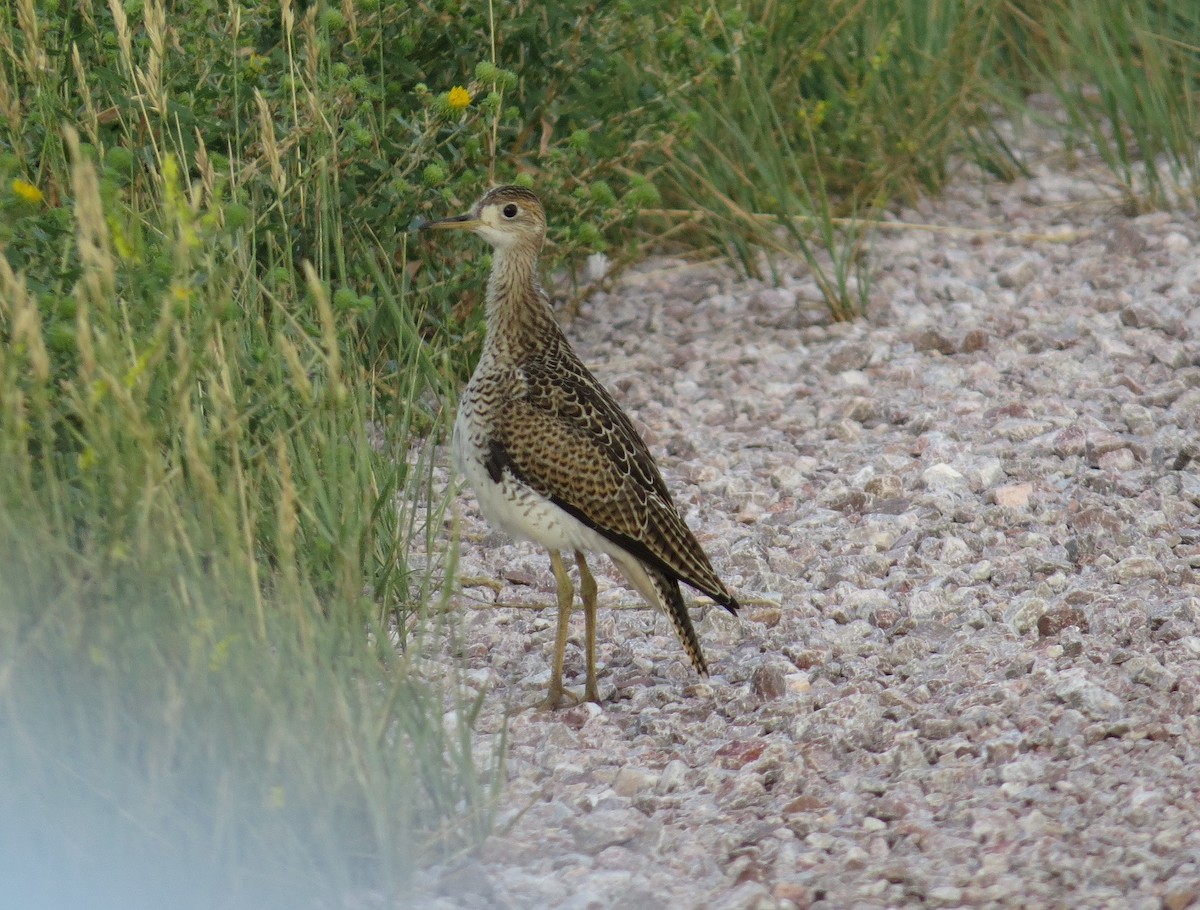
<point x="663" y="592"/>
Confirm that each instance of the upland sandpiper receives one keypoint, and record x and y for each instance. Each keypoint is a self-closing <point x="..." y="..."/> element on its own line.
<point x="551" y="456"/>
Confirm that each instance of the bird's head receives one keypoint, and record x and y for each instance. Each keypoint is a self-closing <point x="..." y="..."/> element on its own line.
<point x="507" y="217"/>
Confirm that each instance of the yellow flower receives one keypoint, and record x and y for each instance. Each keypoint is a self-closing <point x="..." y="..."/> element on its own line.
<point x="27" y="191"/>
<point x="458" y="98"/>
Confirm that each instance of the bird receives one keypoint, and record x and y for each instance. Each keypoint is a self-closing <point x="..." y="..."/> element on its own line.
<point x="550" y="455"/>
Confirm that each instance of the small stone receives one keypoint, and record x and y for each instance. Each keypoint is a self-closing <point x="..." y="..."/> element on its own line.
<point x="946" y="895"/>
<point x="1098" y="519"/>
<point x="1039" y="824"/>
<point x="787" y="477"/>
<point x="851" y="355"/>
<point x="749" y="514"/>
<point x="807" y="659"/>
<point x="1017" y="275"/>
<point x="599" y="883"/>
<point x="845" y="431"/>
<point x="1099" y="443"/>
<point x="768" y="682"/>
<point x="986" y="473"/>
<point x="802" y="804"/>
<point x="884" y="617"/>
<point x="1134" y="568"/>
<point x="1002" y="750"/>
<point x="1013" y="495"/>
<point x="933" y="340"/>
<point x="976" y="618"/>
<point x="606" y="828"/>
<point x="943" y="477"/>
<point x="884" y="486"/>
<point x="1139" y="419"/>
<point x="821" y="840"/>
<point x="1117" y="462"/>
<point x="974" y="340"/>
<point x="861" y="409"/>
<point x="1149" y="672"/>
<point x="1024" y="612"/>
<point x="799" y="683"/>
<point x="1060" y="617"/>
<point x="889" y="809"/>
<point x="1173" y="630"/>
<point x="630" y="781"/>
<point x="1021" y="666"/>
<point x="1071" y="441"/>
<point x="1076" y="690"/>
<point x="936" y="728"/>
<point x="1023" y="771"/>
<point x="1137" y="316"/>
<point x="673" y="777"/>
<point x="1170" y="354"/>
<point x="739" y="753"/>
<point x="1181" y="898"/>
<point x="1125" y="240"/>
<point x="897" y="872"/>
<point x="1175" y="242"/>
<point x="578" y="715"/>
<point x="907" y="754"/>
<point x="764" y="616"/>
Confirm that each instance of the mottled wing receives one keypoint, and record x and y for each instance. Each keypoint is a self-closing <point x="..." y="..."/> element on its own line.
<point x="568" y="439"/>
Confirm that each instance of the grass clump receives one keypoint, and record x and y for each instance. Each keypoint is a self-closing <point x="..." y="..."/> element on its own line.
<point x="805" y="121"/>
<point x="1126" y="75"/>
<point x="202" y="576"/>
<point x="215" y="415"/>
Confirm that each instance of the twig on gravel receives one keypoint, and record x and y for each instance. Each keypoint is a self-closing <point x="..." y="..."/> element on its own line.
<point x="638" y="605"/>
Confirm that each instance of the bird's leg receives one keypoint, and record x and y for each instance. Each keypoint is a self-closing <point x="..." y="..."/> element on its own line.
<point x="587" y="591"/>
<point x="566" y="595"/>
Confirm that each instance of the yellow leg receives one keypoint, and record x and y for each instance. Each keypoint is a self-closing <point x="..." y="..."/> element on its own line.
<point x="566" y="595"/>
<point x="587" y="591"/>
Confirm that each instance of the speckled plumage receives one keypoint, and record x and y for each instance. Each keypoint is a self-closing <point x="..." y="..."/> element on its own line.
<point x="549" y="453"/>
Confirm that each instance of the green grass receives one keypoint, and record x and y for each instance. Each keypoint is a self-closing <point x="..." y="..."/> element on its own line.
<point x="204" y="564"/>
<point x="216" y="405"/>
<point x="225" y="366"/>
<point x="1127" y="76"/>
<point x="807" y="120"/>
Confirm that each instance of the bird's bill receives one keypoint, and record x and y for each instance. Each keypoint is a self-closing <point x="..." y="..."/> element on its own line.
<point x="458" y="222"/>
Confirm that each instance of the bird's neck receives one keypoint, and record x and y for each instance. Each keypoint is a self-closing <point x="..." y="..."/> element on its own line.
<point x="518" y="310"/>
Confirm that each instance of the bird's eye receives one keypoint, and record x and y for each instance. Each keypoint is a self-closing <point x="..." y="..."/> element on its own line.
<point x="510" y="210"/>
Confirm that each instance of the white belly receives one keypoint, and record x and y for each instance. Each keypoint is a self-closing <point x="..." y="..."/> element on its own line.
<point x="517" y="509"/>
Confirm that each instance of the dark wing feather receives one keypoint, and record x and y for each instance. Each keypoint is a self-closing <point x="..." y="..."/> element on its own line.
<point x="578" y="448"/>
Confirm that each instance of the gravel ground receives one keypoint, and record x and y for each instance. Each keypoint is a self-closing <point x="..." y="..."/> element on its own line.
<point x="966" y="531"/>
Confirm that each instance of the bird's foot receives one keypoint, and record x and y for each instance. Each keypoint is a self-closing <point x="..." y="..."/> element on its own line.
<point x="558" y="698"/>
<point x="565" y="698"/>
